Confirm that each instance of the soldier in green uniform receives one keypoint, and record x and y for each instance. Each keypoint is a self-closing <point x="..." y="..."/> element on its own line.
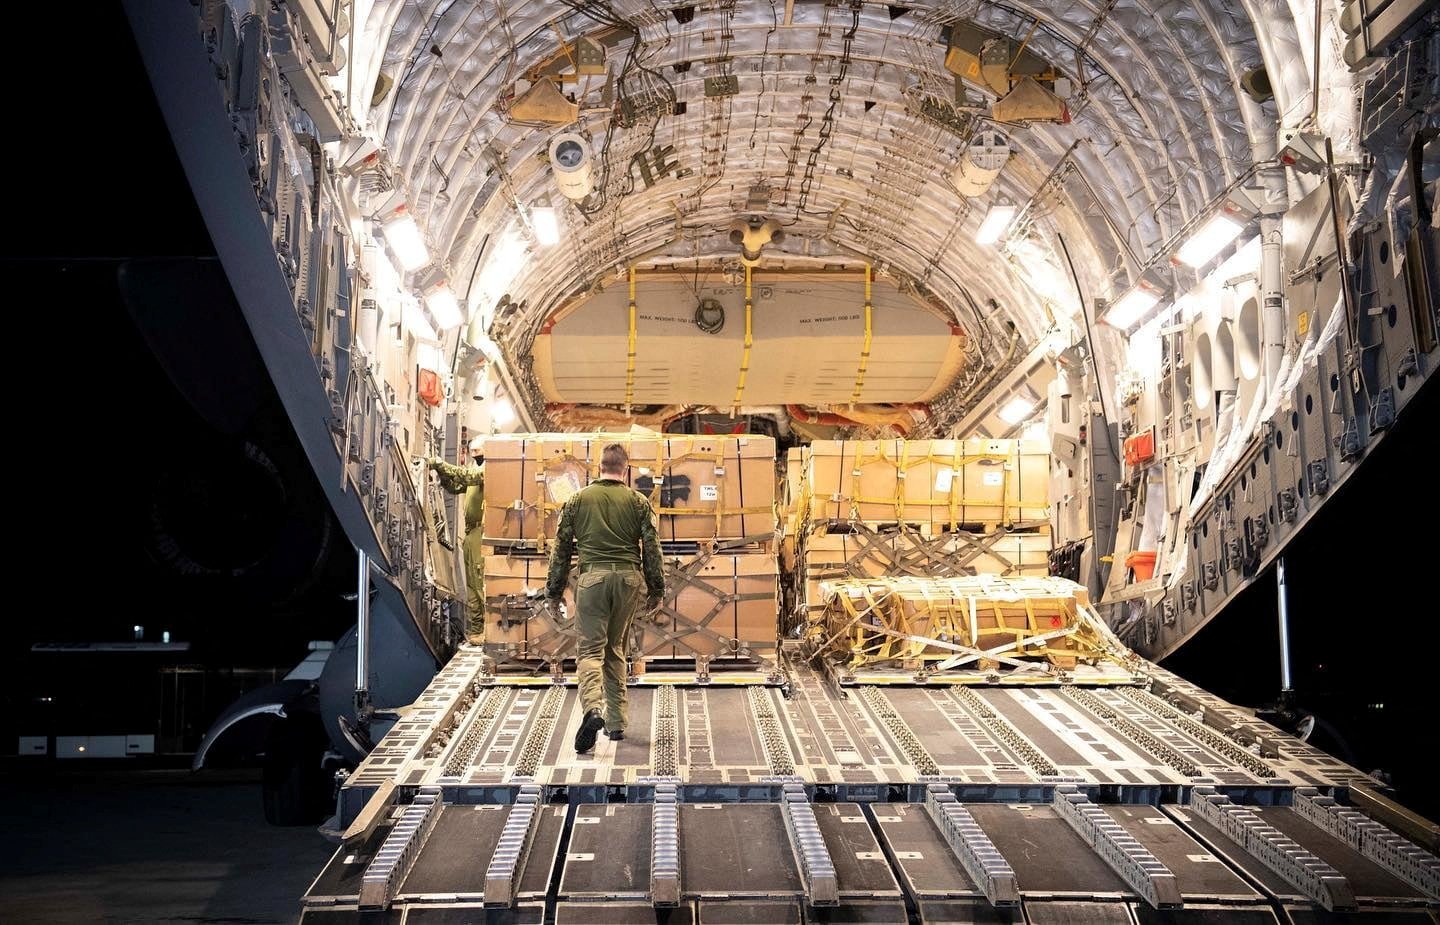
<point x="471" y="481"/>
<point x="613" y="527"/>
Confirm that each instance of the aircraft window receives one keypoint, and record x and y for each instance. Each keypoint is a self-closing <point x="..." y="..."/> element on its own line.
<point x="1247" y="348"/>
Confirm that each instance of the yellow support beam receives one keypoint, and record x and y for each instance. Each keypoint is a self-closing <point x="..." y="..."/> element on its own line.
<point x="630" y="350"/>
<point x="865" y="351"/>
<point x="749" y="342"/>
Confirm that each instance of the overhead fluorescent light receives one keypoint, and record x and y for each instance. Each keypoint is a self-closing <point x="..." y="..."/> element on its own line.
<point x="1132" y="306"/>
<point x="546" y="224"/>
<point x="1016" y="410"/>
<point x="502" y="413"/>
<point x="502" y="265"/>
<point x="405" y="240"/>
<point x="444" y="307"/>
<point x="996" y="221"/>
<point x="1207" y="240"/>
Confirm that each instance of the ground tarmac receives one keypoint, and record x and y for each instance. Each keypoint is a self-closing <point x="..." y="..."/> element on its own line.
<point x="148" y="846"/>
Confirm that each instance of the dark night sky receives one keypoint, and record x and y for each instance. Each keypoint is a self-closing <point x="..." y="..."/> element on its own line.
<point x="95" y="178"/>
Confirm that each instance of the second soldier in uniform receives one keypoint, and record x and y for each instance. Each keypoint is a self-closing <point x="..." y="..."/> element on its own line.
<point x="612" y="527"/>
<point x="471" y="481"/>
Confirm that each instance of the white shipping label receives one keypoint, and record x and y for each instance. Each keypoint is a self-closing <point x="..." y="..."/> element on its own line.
<point x="943" y="478"/>
<point x="993" y="478"/>
<point x="562" y="486"/>
<point x="709" y="492"/>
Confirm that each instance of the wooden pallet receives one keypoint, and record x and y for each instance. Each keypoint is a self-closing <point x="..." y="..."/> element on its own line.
<point x="925" y="528"/>
<point x="769" y="545"/>
<point x="514" y="669"/>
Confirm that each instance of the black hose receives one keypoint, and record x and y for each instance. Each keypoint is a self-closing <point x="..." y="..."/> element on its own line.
<point x="710" y="316"/>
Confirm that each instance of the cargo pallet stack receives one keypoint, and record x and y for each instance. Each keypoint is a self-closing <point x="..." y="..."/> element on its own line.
<point x="715" y="501"/>
<point x="919" y="509"/>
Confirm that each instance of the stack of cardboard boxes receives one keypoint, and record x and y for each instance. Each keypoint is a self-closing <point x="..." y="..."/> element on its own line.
<point x="917" y="508"/>
<point x="715" y="503"/>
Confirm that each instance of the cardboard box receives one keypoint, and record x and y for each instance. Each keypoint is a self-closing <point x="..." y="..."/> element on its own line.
<point x="932" y="482"/>
<point x="510" y="621"/>
<point x="793" y="505"/>
<point x="794" y="482"/>
<point x="704" y="487"/>
<point x="720" y="606"/>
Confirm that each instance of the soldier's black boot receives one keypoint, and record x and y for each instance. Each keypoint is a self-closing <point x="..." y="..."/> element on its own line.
<point x="589" y="728"/>
<point x="615" y="734"/>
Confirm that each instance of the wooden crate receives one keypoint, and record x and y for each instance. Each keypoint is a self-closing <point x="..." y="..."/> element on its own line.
<point x="702" y="487"/>
<point x="982" y="621"/>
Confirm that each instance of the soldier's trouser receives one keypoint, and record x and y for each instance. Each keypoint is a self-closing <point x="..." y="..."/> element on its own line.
<point x="474" y="585"/>
<point x="606" y="600"/>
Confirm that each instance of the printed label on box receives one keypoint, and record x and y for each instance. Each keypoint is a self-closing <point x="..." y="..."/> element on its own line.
<point x="992" y="478"/>
<point x="943" y="478"/>
<point x="709" y="492"/>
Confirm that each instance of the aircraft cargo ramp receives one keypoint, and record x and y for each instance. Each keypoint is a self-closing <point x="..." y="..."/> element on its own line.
<point x="1146" y="801"/>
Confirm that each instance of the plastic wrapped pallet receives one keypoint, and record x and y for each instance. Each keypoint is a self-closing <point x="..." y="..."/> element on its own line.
<point x="948" y="623"/>
<point x="717" y="606"/>
<point x="937" y="483"/>
<point x="868" y="553"/>
<point x="702" y="487"/>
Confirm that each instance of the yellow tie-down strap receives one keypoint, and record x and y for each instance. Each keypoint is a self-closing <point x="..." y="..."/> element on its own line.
<point x="879" y="620"/>
<point x="543" y="507"/>
<point x="904" y="463"/>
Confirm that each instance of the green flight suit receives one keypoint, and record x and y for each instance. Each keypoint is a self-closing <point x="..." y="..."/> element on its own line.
<point x="613" y="529"/>
<point x="471" y="481"/>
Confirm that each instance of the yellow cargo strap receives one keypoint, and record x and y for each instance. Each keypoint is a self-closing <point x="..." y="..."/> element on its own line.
<point x="902" y="471"/>
<point x="630" y="350"/>
<point x="955" y="500"/>
<point x="539" y="499"/>
<point x="871" y="615"/>
<point x="749" y="341"/>
<point x="865" y="351"/>
<point x="955" y="495"/>
<point x="542" y="507"/>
